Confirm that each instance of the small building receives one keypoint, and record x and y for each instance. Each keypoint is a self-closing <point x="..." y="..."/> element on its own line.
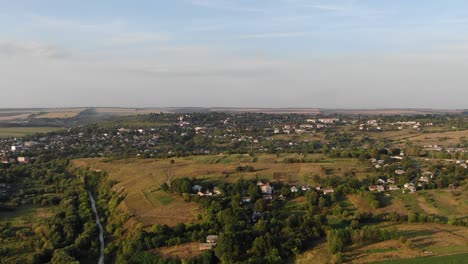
<point x="197" y="188"/>
<point x="212" y="239"/>
<point x="424" y="179"/>
<point x="246" y="199"/>
<point x="400" y="172"/>
<point x="381" y="181"/>
<point x="294" y="189"/>
<point x="23" y="159"/>
<point x="327" y="191"/>
<point x="267" y="189"/>
<point x="217" y="191"/>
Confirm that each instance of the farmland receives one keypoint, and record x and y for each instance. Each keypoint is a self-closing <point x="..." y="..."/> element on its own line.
<point x="24" y="131"/>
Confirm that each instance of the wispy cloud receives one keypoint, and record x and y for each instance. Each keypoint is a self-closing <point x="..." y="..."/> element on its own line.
<point x="114" y="32"/>
<point x="275" y="35"/>
<point x="138" y="37"/>
<point x="348" y="8"/>
<point x="225" y="5"/>
<point x="32" y="49"/>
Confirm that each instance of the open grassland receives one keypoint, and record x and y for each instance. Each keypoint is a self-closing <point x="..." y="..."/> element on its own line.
<point x="430" y="137"/>
<point x="441" y="138"/>
<point x="451" y="259"/>
<point x="426" y="239"/>
<point x="318" y="254"/>
<point x="440" y="202"/>
<point x="24" y="131"/>
<point x="184" y="251"/>
<point x="140" y="179"/>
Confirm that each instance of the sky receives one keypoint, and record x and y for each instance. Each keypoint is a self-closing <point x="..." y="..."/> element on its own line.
<point x="234" y="53"/>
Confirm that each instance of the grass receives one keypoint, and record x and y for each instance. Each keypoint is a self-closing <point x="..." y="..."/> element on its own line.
<point x="428" y="239"/>
<point x="452" y="259"/>
<point x="184" y="251"/>
<point x="24" y="131"/>
<point x="380" y="250"/>
<point x="22" y="219"/>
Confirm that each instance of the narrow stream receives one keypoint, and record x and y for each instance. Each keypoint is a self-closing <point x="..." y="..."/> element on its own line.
<point x="101" y="230"/>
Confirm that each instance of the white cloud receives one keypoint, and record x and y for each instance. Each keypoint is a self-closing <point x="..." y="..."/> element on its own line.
<point x="32" y="49"/>
<point x="225" y="5"/>
<point x="275" y="35"/>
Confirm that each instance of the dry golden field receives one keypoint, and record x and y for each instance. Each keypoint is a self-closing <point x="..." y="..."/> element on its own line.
<point x="140" y="179"/>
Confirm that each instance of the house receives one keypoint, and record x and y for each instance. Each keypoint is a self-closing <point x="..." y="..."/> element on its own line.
<point x="217" y="191"/>
<point x="380" y="188"/>
<point x="381" y="181"/>
<point x="328" y="120"/>
<point x="410" y="187"/>
<point x="373" y="188"/>
<point x="267" y="197"/>
<point x="294" y="189"/>
<point x="267" y="189"/>
<point x="400" y="172"/>
<point x="29" y="144"/>
<point x="212" y="239"/>
<point x="16" y="148"/>
<point x="393" y="187"/>
<point x="23" y="159"/>
<point x="424" y="179"/>
<point x="197" y="188"/>
<point x="306" y="188"/>
<point x="246" y="199"/>
<point x="327" y="191"/>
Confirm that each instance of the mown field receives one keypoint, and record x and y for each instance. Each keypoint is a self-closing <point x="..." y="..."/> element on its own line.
<point x="452" y="259"/>
<point x="24" y="131"/>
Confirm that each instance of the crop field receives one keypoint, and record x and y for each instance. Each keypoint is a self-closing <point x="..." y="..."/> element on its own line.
<point x="66" y="113"/>
<point x="24" y="131"/>
<point x="126" y="111"/>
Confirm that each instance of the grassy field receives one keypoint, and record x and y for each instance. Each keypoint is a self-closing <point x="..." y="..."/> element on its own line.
<point x="184" y="251"/>
<point x="452" y="259"/>
<point x="24" y="131"/>
<point x="141" y="178"/>
<point x="427" y="240"/>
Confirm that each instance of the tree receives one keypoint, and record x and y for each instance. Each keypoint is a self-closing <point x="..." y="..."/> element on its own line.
<point x="60" y="256"/>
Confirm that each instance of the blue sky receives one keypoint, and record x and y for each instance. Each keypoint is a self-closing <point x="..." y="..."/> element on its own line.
<point x="331" y="53"/>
